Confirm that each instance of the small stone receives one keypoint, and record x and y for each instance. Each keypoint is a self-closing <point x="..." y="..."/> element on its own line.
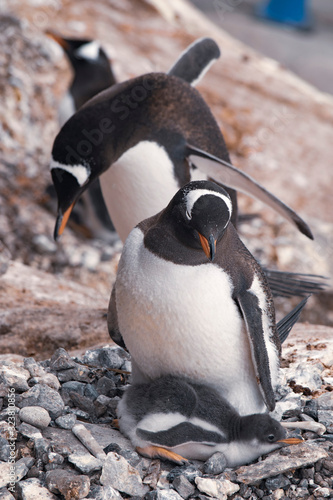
<point x="104" y="493"/>
<point x="325" y="417"/>
<point x="4" y="450"/>
<point x="278" y="494"/>
<point x="61" y="360"/>
<point x="107" y="387"/>
<point x="119" y="474"/>
<point x="323" y="492"/>
<point x="132" y="457"/>
<point x="35" y="415"/>
<point x="216" y="488"/>
<point x="101" y="404"/>
<point x="85" y="463"/>
<point x="55" y="458"/>
<point x="78" y="372"/>
<point x="163" y="495"/>
<point x="29" y="431"/>
<point x="87" y="439"/>
<point x="5" y="494"/>
<point x="216" y="464"/>
<point x="183" y="486"/>
<point x="311" y="408"/>
<point x="274" y="483"/>
<point x="189" y="471"/>
<point x="66" y="421"/>
<point x="300" y="455"/>
<point x="14" y="377"/>
<point x="325" y="401"/>
<point x="306" y="375"/>
<point x="69" y="485"/>
<point x="32" y="489"/>
<point x="106" y="357"/>
<point x="91" y="392"/>
<point x="302" y="493"/>
<point x="47" y="379"/>
<point x="82" y="402"/>
<point x="44" y="396"/>
<point x="152" y="474"/>
<point x="42" y="448"/>
<point x="43" y="244"/>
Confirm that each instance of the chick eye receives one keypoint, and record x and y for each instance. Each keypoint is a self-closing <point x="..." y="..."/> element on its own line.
<point x="188" y="215"/>
<point x="271" y="438"/>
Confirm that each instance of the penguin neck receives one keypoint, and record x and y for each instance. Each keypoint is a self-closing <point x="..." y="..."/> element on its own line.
<point x="246" y="427"/>
<point x="235" y="428"/>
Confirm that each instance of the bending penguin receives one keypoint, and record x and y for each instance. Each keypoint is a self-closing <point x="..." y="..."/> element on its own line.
<point x="92" y="73"/>
<point x="144" y="139"/>
<point x="189" y="299"/>
<point x="177" y="419"/>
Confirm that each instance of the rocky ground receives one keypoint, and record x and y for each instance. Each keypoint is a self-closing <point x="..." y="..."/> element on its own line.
<point x="63" y="410"/>
<point x="54" y="295"/>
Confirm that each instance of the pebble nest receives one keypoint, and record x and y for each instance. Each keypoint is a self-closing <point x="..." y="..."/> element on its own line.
<point x="67" y="447"/>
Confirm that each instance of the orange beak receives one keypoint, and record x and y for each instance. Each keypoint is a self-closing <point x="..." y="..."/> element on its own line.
<point x="61" y="222"/>
<point x="58" y="39"/>
<point x="290" y="441"/>
<point x="208" y="246"/>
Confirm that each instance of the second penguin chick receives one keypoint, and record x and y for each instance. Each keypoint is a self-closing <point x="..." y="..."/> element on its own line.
<point x="177" y="419"/>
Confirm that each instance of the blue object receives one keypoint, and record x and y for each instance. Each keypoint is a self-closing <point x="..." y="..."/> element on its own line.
<point x="292" y="12"/>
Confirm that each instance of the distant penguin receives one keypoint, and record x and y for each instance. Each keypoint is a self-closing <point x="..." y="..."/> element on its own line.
<point x="177" y="419"/>
<point x="189" y="299"/>
<point x="92" y="73"/>
<point x="144" y="139"/>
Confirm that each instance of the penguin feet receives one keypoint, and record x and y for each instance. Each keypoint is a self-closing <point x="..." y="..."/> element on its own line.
<point x="115" y="423"/>
<point x="162" y="453"/>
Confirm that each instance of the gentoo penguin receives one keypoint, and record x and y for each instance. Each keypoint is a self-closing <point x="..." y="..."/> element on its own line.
<point x="144" y="139"/>
<point x="189" y="299"/>
<point x="177" y="419"/>
<point x="92" y="73"/>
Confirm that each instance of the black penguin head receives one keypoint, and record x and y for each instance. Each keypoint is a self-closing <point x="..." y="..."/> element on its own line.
<point x="265" y="432"/>
<point x="200" y="213"/>
<point x="80" y="51"/>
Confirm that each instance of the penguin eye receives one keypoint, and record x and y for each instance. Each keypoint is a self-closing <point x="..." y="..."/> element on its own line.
<point x="271" y="438"/>
<point x="188" y="215"/>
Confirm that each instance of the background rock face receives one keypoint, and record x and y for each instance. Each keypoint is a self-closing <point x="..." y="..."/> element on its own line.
<point x="267" y="115"/>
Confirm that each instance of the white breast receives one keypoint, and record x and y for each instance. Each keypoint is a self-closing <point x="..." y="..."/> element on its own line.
<point x="182" y="320"/>
<point x="138" y="185"/>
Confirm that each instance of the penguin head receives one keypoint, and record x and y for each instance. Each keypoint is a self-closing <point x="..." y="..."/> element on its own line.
<point x="80" y="51"/>
<point x="201" y="213"/>
<point x="265" y="433"/>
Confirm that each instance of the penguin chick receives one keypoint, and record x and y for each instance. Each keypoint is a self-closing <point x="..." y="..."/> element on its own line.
<point x="177" y="419"/>
<point x="189" y="299"/>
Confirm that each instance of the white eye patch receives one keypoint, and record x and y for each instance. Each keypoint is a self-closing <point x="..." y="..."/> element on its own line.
<point x="80" y="172"/>
<point x="193" y="196"/>
<point x="89" y="51"/>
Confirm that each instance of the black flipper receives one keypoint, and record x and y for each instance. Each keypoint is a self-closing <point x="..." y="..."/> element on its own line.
<point x="196" y="60"/>
<point x="252" y="314"/>
<point x="225" y="173"/>
<point x="285" y="325"/>
<point x="285" y="284"/>
<point x="112" y="321"/>
<point x="182" y="433"/>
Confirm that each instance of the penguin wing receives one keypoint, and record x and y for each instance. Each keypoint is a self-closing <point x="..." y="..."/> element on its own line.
<point x="285" y="325"/>
<point x="225" y="173"/>
<point x="112" y="321"/>
<point x="184" y="432"/>
<point x="196" y="60"/>
<point x="253" y="318"/>
<point x="285" y="284"/>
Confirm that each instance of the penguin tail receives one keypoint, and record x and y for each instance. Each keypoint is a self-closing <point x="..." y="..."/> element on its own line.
<point x="285" y="284"/>
<point x="196" y="60"/>
<point x="285" y="325"/>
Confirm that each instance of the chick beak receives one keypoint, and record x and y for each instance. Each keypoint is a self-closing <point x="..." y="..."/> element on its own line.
<point x="57" y="39"/>
<point x="290" y="441"/>
<point x="209" y="246"/>
<point x="61" y="222"/>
